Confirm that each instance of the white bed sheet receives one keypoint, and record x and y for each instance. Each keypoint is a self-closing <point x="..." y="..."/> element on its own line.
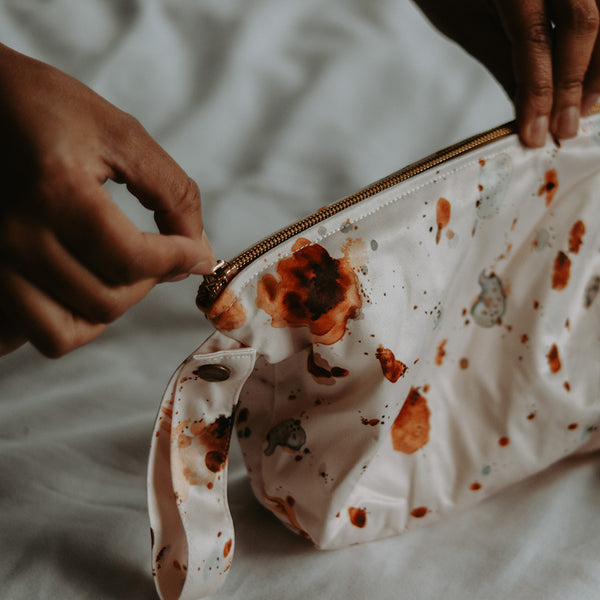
<point x="275" y="107"/>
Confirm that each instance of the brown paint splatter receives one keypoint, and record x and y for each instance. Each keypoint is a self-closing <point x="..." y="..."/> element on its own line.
<point x="442" y="215"/>
<point x="227" y="548"/>
<point x="550" y="186"/>
<point x="524" y="338"/>
<point x="504" y="441"/>
<point x="286" y="509"/>
<point x="567" y="386"/>
<point x="228" y="313"/>
<point x="576" y="236"/>
<point x="358" y="516"/>
<point x="554" y="359"/>
<point x="562" y="271"/>
<point x="573" y="426"/>
<point x="419" y="512"/>
<point x="320" y="369"/>
<point x="441" y="352"/>
<point x="475" y="486"/>
<point x="410" y="430"/>
<point x="464" y="363"/>
<point x="313" y="290"/>
<point x="371" y="422"/>
<point x="531" y="416"/>
<point x="215" y="438"/>
<point x="392" y="369"/>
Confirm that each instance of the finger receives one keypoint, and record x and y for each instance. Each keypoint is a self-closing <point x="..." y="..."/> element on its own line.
<point x="575" y="36"/>
<point x="51" y="328"/>
<point x="38" y="256"/>
<point x="591" y="86"/>
<point x="100" y="235"/>
<point x="482" y="35"/>
<point x="11" y="336"/>
<point x="527" y="26"/>
<point x="157" y="181"/>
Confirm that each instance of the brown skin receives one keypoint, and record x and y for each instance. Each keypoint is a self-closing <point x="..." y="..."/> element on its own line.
<point x="70" y="260"/>
<point x="551" y="73"/>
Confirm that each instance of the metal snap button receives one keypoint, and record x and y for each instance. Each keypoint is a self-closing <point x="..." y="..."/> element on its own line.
<point x="213" y="372"/>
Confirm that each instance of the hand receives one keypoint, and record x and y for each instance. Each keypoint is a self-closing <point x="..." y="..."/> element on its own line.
<point x="70" y="260"/>
<point x="545" y="53"/>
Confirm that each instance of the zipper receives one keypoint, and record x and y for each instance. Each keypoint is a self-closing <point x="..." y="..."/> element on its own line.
<point x="224" y="271"/>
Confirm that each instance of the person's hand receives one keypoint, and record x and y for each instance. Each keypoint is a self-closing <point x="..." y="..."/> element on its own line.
<point x="545" y="53"/>
<point x="70" y="260"/>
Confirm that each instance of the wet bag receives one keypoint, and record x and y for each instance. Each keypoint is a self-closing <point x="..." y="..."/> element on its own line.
<point x="398" y="355"/>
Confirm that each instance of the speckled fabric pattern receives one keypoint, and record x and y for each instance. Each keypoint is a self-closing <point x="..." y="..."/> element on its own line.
<point x="395" y="363"/>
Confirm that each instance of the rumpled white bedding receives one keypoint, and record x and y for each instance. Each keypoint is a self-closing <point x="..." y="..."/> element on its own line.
<point x="275" y="107"/>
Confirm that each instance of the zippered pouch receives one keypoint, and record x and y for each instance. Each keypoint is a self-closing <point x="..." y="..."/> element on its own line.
<point x="394" y="357"/>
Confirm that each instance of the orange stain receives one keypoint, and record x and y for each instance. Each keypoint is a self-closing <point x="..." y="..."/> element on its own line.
<point x="419" y="512"/>
<point x="410" y="430"/>
<point x="562" y="271"/>
<point x="441" y="352"/>
<point x="314" y="290"/>
<point x="286" y="509"/>
<point x="442" y="214"/>
<point x="392" y="369"/>
<point x="573" y="426"/>
<point x="504" y="441"/>
<point x="554" y="359"/>
<point x="475" y="486"/>
<point x="576" y="236"/>
<point x="227" y="548"/>
<point x="464" y="363"/>
<point x="228" y="313"/>
<point x="358" y="516"/>
<point x="550" y="186"/>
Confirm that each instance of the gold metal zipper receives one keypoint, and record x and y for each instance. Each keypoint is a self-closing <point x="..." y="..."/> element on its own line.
<point x="214" y="283"/>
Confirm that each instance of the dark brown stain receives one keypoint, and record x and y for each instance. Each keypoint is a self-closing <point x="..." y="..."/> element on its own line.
<point x="591" y="291"/>
<point x="531" y="416"/>
<point x="443" y="211"/>
<point x="410" y="430"/>
<point x="573" y="426"/>
<point x="441" y="352"/>
<point x="504" y="441"/>
<point x="576" y="236"/>
<point x="524" y="338"/>
<point x="371" y="422"/>
<point x="215" y="438"/>
<point x="319" y="368"/>
<point x="419" y="512"/>
<point x="358" y="516"/>
<point x="392" y="368"/>
<point x="475" y="486"/>
<point x="562" y="271"/>
<point x="242" y="416"/>
<point x="554" y="359"/>
<point x="464" y="363"/>
<point x="550" y="185"/>
<point x="311" y="289"/>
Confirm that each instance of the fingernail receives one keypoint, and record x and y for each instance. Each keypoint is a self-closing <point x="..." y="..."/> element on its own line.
<point x="588" y="102"/>
<point x="536" y="132"/>
<point x="566" y="123"/>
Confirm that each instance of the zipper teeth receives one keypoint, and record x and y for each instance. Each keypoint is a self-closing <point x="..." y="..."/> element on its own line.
<point x="254" y="252"/>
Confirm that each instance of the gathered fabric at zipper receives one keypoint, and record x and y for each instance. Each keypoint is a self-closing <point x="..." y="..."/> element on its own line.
<point x="224" y="271"/>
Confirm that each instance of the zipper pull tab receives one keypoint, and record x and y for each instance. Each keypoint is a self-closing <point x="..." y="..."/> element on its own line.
<point x="213" y="284"/>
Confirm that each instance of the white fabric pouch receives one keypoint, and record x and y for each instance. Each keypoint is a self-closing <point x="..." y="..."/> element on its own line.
<point x="398" y="355"/>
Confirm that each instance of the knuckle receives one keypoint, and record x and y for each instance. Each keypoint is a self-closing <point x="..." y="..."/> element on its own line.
<point x="54" y="343"/>
<point x="187" y="197"/>
<point x="540" y="90"/>
<point x="582" y="17"/>
<point x="536" y="33"/>
<point x="570" y="84"/>
<point x="108" y="308"/>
